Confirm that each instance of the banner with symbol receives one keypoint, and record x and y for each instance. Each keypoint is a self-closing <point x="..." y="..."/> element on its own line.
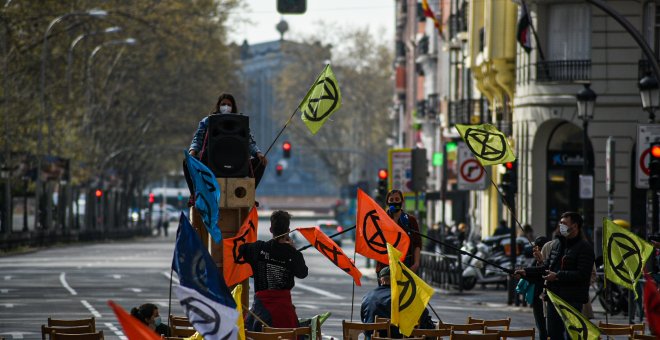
<point x="624" y="255"/>
<point x="577" y="325"/>
<point x="322" y="99"/>
<point x="487" y="143"/>
<point x="326" y="246"/>
<point x="234" y="267"/>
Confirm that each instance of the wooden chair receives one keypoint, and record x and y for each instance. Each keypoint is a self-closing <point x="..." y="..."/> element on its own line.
<point x="636" y="327"/>
<point x="289" y="335"/>
<point x="472" y="336"/>
<point x="616" y="331"/>
<point x="470" y="327"/>
<point x="492" y="323"/>
<point x="513" y="333"/>
<point x="180" y="327"/>
<point x="379" y="338"/>
<point x="352" y="330"/>
<point x="84" y="336"/>
<point x="638" y="336"/>
<point x="296" y="331"/>
<point x="47" y="330"/>
<point x="73" y="323"/>
<point x="431" y="334"/>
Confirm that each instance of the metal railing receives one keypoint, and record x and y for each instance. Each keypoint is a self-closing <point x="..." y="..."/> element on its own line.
<point x="563" y="70"/>
<point x="443" y="271"/>
<point x="459" y="111"/>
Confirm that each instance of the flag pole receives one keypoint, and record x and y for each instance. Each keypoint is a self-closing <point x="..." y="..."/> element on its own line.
<point x="282" y="130"/>
<point x="169" y="302"/>
<point x="331" y="236"/>
<point x="353" y="293"/>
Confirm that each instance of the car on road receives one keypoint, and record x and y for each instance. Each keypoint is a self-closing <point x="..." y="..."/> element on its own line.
<point x="331" y="227"/>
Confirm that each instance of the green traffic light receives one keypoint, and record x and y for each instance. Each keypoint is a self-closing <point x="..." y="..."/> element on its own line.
<point x="451" y="146"/>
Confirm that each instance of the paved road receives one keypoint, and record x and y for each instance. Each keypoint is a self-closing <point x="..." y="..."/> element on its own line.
<point x="76" y="281"/>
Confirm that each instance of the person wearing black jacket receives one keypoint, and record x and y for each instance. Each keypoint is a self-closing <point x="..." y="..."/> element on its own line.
<point x="274" y="264"/>
<point x="567" y="271"/>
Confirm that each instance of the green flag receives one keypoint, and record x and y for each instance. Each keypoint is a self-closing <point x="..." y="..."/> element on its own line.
<point x="322" y="99"/>
<point x="577" y="326"/>
<point x="488" y="144"/>
<point x="624" y="255"/>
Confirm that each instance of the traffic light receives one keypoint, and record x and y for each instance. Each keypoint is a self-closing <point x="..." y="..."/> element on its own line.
<point x="508" y="182"/>
<point x="654" y="166"/>
<point x="512" y="169"/>
<point x="382" y="185"/>
<point x="291" y="6"/>
<point x="98" y="193"/>
<point x="152" y="198"/>
<point x="278" y="169"/>
<point x="286" y="149"/>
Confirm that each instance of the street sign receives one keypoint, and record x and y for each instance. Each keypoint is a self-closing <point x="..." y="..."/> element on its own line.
<point x="471" y="175"/>
<point x="586" y="187"/>
<point x="646" y="134"/>
<point x="400" y="168"/>
<point x="610" y="152"/>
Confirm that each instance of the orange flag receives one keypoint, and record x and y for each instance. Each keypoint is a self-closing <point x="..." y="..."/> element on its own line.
<point x="326" y="246"/>
<point x="375" y="229"/>
<point x="134" y="329"/>
<point x="234" y="268"/>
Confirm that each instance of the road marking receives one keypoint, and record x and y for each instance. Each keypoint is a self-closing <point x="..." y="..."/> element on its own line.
<point x="66" y="285"/>
<point x="4" y="291"/>
<point x="91" y="309"/>
<point x="318" y="291"/>
<point x="116" y="330"/>
<point x="7" y="277"/>
<point x="170" y="277"/>
<point x="17" y="335"/>
<point x="8" y="305"/>
<point x="116" y="276"/>
<point x="302" y="305"/>
<point x="135" y="290"/>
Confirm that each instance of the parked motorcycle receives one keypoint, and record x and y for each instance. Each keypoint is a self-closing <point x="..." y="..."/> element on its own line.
<point x="492" y="249"/>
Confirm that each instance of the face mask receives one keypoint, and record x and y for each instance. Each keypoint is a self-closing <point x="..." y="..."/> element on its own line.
<point x="225" y="109"/>
<point x="157" y="321"/>
<point x="563" y="230"/>
<point x="394" y="207"/>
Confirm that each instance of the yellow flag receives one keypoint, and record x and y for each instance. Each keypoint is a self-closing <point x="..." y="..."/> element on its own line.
<point x="624" y="255"/>
<point x="488" y="144"/>
<point x="576" y="324"/>
<point x="410" y="294"/>
<point x="322" y="99"/>
<point x="236" y="293"/>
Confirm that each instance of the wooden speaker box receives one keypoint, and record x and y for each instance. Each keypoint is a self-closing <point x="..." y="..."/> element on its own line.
<point x="239" y="193"/>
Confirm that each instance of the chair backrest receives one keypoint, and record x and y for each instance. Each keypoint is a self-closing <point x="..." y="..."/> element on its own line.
<point x="180" y="326"/>
<point x="379" y="338"/>
<point x="513" y="333"/>
<point x="352" y="330"/>
<point x="492" y="323"/>
<point x="636" y="327"/>
<point x="289" y="335"/>
<point x="297" y="331"/>
<point x="382" y="319"/>
<point x="616" y="331"/>
<point x="431" y="334"/>
<point x="47" y="330"/>
<point x="84" y="336"/>
<point x="472" y="336"/>
<point x="457" y="327"/>
<point x="637" y="336"/>
<point x="73" y="322"/>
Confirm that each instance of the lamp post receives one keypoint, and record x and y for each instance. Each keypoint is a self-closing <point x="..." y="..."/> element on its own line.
<point x="74" y="43"/>
<point x="96" y="13"/>
<point x="650" y="92"/>
<point x="586" y="99"/>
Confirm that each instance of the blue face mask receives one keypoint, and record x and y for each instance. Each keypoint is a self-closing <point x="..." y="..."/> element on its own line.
<point x="394" y="207"/>
<point x="157" y="321"/>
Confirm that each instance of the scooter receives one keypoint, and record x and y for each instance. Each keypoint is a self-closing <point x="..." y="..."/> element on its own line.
<point x="491" y="249"/>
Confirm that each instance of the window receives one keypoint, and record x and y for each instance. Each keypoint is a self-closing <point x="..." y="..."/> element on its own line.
<point x="569" y="32"/>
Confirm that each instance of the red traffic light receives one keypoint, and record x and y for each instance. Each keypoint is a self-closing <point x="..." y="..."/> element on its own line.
<point x="655" y="151"/>
<point x="382" y="174"/>
<point x="286" y="146"/>
<point x="508" y="165"/>
<point x="278" y="169"/>
<point x="98" y="193"/>
<point x="152" y="198"/>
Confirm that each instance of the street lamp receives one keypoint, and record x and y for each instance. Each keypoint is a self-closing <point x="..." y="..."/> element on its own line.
<point x="74" y="43"/>
<point x="650" y="92"/>
<point x="95" y="13"/>
<point x="586" y="99"/>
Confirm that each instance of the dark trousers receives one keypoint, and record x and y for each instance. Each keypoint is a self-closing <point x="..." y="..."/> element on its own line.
<point x="539" y="316"/>
<point x="555" y="325"/>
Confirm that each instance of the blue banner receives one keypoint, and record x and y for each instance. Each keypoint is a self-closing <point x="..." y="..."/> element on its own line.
<point x="207" y="195"/>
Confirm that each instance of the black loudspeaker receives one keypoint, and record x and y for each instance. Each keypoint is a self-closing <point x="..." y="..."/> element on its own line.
<point x="228" y="145"/>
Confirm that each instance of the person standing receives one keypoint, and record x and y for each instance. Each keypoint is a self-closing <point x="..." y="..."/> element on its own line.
<point x="502" y="229"/>
<point x="408" y="223"/>
<point x="275" y="264"/>
<point x="198" y="146"/>
<point x="566" y="270"/>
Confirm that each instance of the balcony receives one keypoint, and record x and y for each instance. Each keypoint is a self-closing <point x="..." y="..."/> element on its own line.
<point x="459" y="112"/>
<point x="563" y="71"/>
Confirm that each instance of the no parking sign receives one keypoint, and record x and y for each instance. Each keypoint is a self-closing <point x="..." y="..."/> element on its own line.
<point x="471" y="175"/>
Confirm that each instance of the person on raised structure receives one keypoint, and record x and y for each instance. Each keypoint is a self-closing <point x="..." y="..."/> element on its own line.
<point x="198" y="147"/>
<point x="274" y="264"/>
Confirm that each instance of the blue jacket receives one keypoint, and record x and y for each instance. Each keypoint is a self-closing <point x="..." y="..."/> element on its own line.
<point x="198" y="139"/>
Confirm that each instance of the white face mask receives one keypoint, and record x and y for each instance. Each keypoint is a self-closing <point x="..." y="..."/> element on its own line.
<point x="563" y="230"/>
<point x="225" y="109"/>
